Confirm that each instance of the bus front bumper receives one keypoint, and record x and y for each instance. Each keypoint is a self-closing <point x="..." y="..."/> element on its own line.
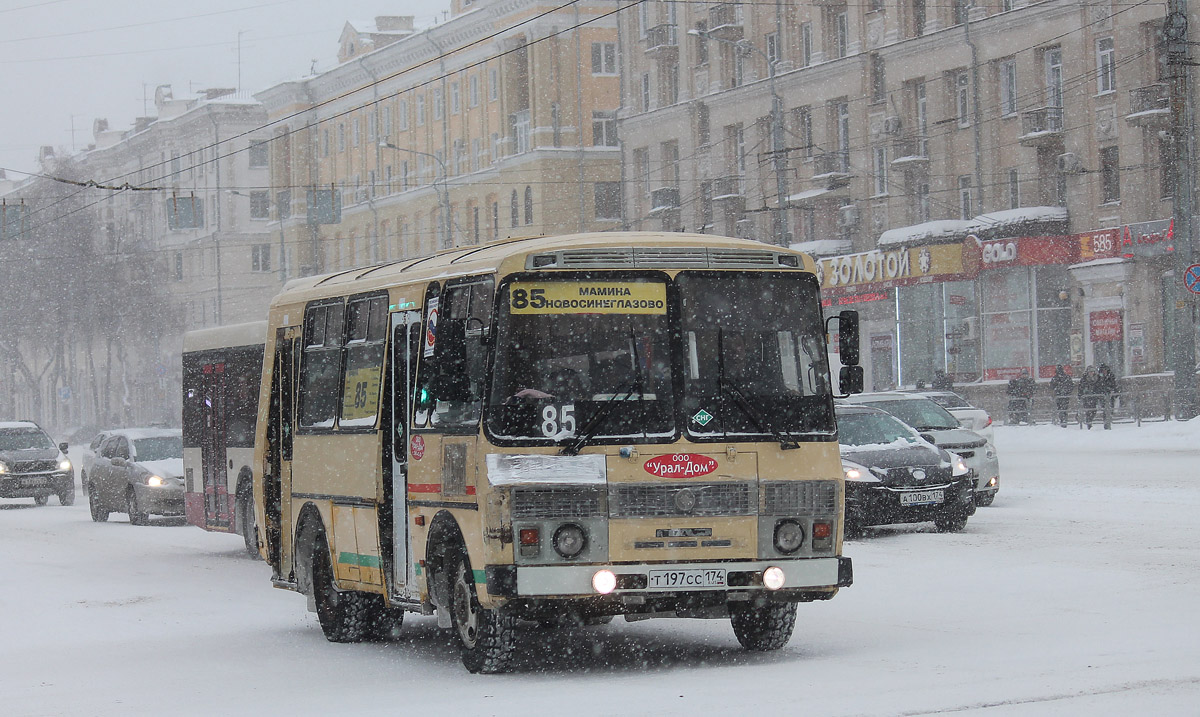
<point x="577" y="580"/>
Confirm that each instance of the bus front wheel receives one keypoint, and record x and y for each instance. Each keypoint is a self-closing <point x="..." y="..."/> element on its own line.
<point x="487" y="639"/>
<point x="764" y="627"/>
<point x="245" y="521"/>
<point x="343" y="614"/>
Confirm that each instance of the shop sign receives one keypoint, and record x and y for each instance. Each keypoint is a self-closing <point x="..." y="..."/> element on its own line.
<point x="1137" y="343"/>
<point x="881" y="269"/>
<point x="1105" y="325"/>
<point x="1148" y="238"/>
<point x="1001" y="251"/>
<point x="1103" y="244"/>
<point x="856" y="299"/>
<point x="1029" y="251"/>
<point x="1076" y="348"/>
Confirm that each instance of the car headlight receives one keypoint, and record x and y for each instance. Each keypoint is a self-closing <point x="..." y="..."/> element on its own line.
<point x="155" y="481"/>
<point x="959" y="466"/>
<point x="64" y="465"/>
<point x="3" y="467"/>
<point x="858" y="474"/>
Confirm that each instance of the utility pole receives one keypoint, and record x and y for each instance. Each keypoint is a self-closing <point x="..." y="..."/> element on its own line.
<point x="1179" y="304"/>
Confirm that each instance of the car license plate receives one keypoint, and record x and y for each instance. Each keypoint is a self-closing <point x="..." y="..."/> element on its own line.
<point x="33" y="482"/>
<point x="922" y="497"/>
<point x="684" y="579"/>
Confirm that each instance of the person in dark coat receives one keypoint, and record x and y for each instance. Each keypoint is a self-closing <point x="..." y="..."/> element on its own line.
<point x="1062" y="386"/>
<point x="1108" y="392"/>
<point x="1020" y="390"/>
<point x="942" y="382"/>
<point x="1089" y="394"/>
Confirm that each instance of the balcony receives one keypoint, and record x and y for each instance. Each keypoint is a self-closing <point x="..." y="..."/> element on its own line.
<point x="663" y="199"/>
<point x="725" y="21"/>
<point x="831" y="169"/>
<point x="661" y="40"/>
<point x="1150" y="107"/>
<point x="727" y="189"/>
<point x="1042" y="127"/>
<point x="910" y="152"/>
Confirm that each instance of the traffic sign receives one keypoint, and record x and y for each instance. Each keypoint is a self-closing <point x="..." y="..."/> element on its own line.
<point x="1191" y="278"/>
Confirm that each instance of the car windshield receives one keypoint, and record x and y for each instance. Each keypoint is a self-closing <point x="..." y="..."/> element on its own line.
<point x="754" y="355"/>
<point x="920" y="413"/>
<point x="868" y="429"/>
<point x="949" y="400"/>
<point x="583" y="354"/>
<point x="158" y="448"/>
<point x="24" y="438"/>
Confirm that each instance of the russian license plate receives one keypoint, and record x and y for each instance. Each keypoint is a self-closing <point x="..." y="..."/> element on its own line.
<point x="684" y="579"/>
<point x="34" y="482"/>
<point x="922" y="497"/>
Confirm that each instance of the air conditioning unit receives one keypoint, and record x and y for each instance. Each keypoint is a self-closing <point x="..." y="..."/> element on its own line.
<point x="891" y="125"/>
<point x="1068" y="163"/>
<point x="848" y="216"/>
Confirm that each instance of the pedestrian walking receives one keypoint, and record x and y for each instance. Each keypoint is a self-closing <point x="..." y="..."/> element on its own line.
<point x="1020" y="391"/>
<point x="1062" y="386"/>
<point x="1107" y="383"/>
<point x="942" y="381"/>
<point x="1089" y="393"/>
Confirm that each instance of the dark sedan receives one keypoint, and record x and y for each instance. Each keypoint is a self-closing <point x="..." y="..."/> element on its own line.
<point x="895" y="476"/>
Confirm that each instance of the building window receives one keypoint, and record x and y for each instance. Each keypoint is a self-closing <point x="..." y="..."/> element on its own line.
<point x="878" y="79"/>
<point x="670" y="163"/>
<point x="881" y="168"/>
<point x="608" y="200"/>
<point x="260" y="204"/>
<point x="1008" y="87"/>
<point x="455" y="99"/>
<point x="646" y="91"/>
<point x="521" y="128"/>
<point x="403" y="115"/>
<point x="918" y="17"/>
<point x="372" y="127"/>
<point x="703" y="127"/>
<point x="961" y="8"/>
<point x="671" y="84"/>
<point x="804" y="130"/>
<point x="420" y="110"/>
<point x="341" y="137"/>
<point x="604" y="128"/>
<point x="806" y="44"/>
<point x="556" y="124"/>
<point x="962" y="98"/>
<point x="701" y="42"/>
<point x="922" y="202"/>
<point x="604" y="58"/>
<point x="178" y="266"/>
<point x="842" y="112"/>
<point x="772" y="52"/>
<point x="493" y="84"/>
<point x="1014" y="189"/>
<point x="1106" y="66"/>
<point x="1054" y="76"/>
<point x="964" y="197"/>
<point x="841" y="42"/>
<point x="528" y="205"/>
<point x="1110" y="174"/>
<point x="387" y="121"/>
<point x="439" y="104"/>
<point x="258" y="155"/>
<point x="473" y="90"/>
<point x="357" y="135"/>
<point x="325" y="143"/>
<point x="515" y="209"/>
<point x="260" y="257"/>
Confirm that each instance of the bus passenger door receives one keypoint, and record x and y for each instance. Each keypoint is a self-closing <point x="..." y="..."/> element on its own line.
<point x="277" y="475"/>
<point x="406" y="342"/>
<point x="213" y="447"/>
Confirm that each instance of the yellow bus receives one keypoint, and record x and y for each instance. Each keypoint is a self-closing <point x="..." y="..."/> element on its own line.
<point x="555" y="429"/>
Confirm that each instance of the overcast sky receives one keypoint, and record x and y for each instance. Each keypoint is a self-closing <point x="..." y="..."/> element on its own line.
<point x="90" y="58"/>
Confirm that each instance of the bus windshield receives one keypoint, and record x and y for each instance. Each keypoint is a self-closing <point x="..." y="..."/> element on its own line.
<point x="583" y="354"/>
<point x="754" y="359"/>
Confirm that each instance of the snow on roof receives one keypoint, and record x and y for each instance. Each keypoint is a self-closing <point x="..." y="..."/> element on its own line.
<point x="136" y="434"/>
<point x="926" y="231"/>
<point x="1021" y="215"/>
<point x="18" y="424"/>
<point x="809" y="194"/>
<point x="823" y="247"/>
<point x="1098" y="262"/>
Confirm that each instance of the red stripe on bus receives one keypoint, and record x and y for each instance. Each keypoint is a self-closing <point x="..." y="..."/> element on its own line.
<point x="433" y="488"/>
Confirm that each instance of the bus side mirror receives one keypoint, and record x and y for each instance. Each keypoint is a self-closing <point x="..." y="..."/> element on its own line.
<point x="848" y="340"/>
<point x="850" y="380"/>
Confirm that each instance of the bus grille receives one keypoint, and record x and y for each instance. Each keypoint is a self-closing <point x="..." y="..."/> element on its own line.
<point x="658" y="257"/>
<point x="658" y="501"/>
<point x="799" y="498"/>
<point x="557" y="502"/>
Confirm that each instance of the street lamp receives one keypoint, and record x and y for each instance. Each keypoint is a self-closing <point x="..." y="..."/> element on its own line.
<point x="443" y="195"/>
<point x="778" y="156"/>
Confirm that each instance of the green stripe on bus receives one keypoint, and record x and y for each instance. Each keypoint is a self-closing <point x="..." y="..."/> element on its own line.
<point x="480" y="578"/>
<point x="363" y="561"/>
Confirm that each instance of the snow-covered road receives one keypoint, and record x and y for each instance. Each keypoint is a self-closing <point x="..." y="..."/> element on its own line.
<point x="1074" y="594"/>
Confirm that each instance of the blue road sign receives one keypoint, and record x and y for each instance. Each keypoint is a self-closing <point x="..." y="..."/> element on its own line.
<point x="1191" y="278"/>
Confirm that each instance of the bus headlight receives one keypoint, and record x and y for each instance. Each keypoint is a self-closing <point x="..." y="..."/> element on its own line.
<point x="604" y="582"/>
<point x="773" y="578"/>
<point x="789" y="536"/>
<point x="569" y="540"/>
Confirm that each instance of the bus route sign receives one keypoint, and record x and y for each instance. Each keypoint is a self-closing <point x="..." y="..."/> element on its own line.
<point x="1191" y="278"/>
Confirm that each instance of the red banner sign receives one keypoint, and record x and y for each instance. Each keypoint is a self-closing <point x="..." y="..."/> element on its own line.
<point x="1105" y="325"/>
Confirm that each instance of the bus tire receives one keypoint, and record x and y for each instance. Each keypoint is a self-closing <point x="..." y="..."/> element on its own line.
<point x="486" y="638"/>
<point x="99" y="512"/>
<point x="764" y="627"/>
<point x="383" y="622"/>
<point x="343" y="614"/>
<point x="245" y="521"/>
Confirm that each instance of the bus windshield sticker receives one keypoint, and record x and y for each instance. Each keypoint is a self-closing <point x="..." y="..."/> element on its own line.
<point x="587" y="297"/>
<point x="431" y="327"/>
<point x="702" y="417"/>
<point x="558" y="421"/>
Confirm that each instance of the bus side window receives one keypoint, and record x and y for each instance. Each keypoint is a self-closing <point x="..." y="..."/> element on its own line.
<point x="452" y="382"/>
<point x="366" y="324"/>
<point x="321" y="365"/>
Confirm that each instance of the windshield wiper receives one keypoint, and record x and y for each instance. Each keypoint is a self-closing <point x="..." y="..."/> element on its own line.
<point x="588" y="432"/>
<point x="786" y="440"/>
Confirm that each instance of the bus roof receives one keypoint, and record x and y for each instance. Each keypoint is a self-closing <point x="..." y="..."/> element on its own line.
<point x="252" y="333"/>
<point x="597" y="250"/>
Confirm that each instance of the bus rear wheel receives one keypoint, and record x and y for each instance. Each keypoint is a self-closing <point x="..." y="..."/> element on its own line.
<point x="343" y="614"/>
<point x="245" y="521"/>
<point x="487" y="639"/>
<point x="765" y="627"/>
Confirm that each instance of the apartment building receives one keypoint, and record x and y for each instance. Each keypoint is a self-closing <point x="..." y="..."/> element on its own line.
<point x="498" y="122"/>
<point x="985" y="182"/>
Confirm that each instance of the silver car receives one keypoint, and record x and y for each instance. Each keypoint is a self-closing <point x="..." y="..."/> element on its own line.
<point x="971" y="417"/>
<point x="138" y="471"/>
<point x="945" y="431"/>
